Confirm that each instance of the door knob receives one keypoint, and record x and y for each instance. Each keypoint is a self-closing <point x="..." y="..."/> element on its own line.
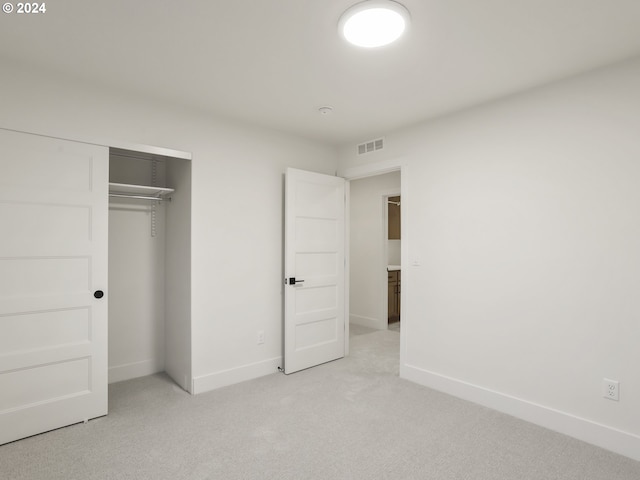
<point x="293" y="281"/>
<point x="98" y="294"/>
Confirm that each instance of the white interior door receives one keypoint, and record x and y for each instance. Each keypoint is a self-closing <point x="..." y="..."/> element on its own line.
<point x="314" y="329"/>
<point x="53" y="257"/>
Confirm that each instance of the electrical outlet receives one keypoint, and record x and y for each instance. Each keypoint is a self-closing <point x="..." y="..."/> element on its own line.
<point x="260" y="337"/>
<point x="611" y="389"/>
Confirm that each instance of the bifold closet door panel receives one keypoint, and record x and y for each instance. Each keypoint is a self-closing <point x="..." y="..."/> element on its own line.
<point x="53" y="258"/>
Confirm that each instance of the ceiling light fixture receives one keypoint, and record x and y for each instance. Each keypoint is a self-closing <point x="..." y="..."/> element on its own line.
<point x="374" y="23"/>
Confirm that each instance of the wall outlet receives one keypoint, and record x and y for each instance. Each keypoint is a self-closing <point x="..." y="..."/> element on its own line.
<point x="260" y="337"/>
<point x="611" y="389"/>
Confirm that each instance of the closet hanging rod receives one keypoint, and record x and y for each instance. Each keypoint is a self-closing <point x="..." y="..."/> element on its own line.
<point x="140" y="197"/>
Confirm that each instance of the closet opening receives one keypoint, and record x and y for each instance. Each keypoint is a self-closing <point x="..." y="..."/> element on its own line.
<point x="149" y="266"/>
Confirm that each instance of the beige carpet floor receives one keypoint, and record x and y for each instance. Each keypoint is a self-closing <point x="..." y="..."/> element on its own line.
<point x="348" y="419"/>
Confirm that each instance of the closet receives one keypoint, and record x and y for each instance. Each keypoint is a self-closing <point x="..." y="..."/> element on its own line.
<point x="77" y="243"/>
<point x="149" y="266"/>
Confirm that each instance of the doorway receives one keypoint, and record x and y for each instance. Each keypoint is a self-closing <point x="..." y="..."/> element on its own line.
<point x="375" y="258"/>
<point x="355" y="260"/>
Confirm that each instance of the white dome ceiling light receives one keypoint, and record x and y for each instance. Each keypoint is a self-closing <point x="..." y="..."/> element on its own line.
<point x="374" y="23"/>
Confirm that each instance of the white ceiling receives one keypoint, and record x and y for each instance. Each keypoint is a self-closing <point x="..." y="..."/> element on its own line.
<point x="274" y="62"/>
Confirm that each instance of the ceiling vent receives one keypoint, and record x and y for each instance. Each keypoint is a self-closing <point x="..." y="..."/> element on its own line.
<point x="371" y="146"/>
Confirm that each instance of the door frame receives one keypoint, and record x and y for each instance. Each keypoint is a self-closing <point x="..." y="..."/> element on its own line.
<point x="371" y="170"/>
<point x="110" y="143"/>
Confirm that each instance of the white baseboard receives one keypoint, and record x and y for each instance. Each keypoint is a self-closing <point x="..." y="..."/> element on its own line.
<point x="609" y="438"/>
<point x="128" y="371"/>
<point x="205" y="383"/>
<point x="364" y="321"/>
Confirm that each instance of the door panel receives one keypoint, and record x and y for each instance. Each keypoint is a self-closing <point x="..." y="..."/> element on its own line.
<point x="314" y="255"/>
<point x="38" y="276"/>
<point x="44" y="330"/>
<point x="34" y="385"/>
<point x="53" y="255"/>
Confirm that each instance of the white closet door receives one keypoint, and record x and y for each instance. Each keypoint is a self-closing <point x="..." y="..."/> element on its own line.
<point x="53" y="258"/>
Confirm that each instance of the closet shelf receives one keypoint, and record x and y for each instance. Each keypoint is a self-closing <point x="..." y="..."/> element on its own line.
<point x="139" y="191"/>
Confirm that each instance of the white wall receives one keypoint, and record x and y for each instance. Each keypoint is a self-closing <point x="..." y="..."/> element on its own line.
<point x="525" y="216"/>
<point x="237" y="205"/>
<point x="394" y="252"/>
<point x="368" y="279"/>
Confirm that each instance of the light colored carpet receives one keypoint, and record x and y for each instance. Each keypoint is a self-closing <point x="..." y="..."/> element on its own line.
<point x="355" y="329"/>
<point x="348" y="419"/>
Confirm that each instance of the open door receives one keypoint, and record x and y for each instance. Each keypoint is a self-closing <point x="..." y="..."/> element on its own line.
<point x="314" y="324"/>
<point x="53" y="259"/>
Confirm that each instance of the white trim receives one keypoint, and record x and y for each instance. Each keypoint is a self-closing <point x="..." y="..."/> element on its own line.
<point x="137" y="147"/>
<point x="405" y="238"/>
<point x="347" y="264"/>
<point x="128" y="371"/>
<point x="211" y="381"/>
<point x="618" y="441"/>
<point x="372" y="169"/>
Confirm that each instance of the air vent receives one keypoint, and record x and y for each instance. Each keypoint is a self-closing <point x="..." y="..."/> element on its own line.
<point x="371" y="146"/>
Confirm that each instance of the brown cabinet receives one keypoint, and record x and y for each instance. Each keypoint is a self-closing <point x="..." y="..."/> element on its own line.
<point x="394" y="218"/>
<point x="394" y="296"/>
